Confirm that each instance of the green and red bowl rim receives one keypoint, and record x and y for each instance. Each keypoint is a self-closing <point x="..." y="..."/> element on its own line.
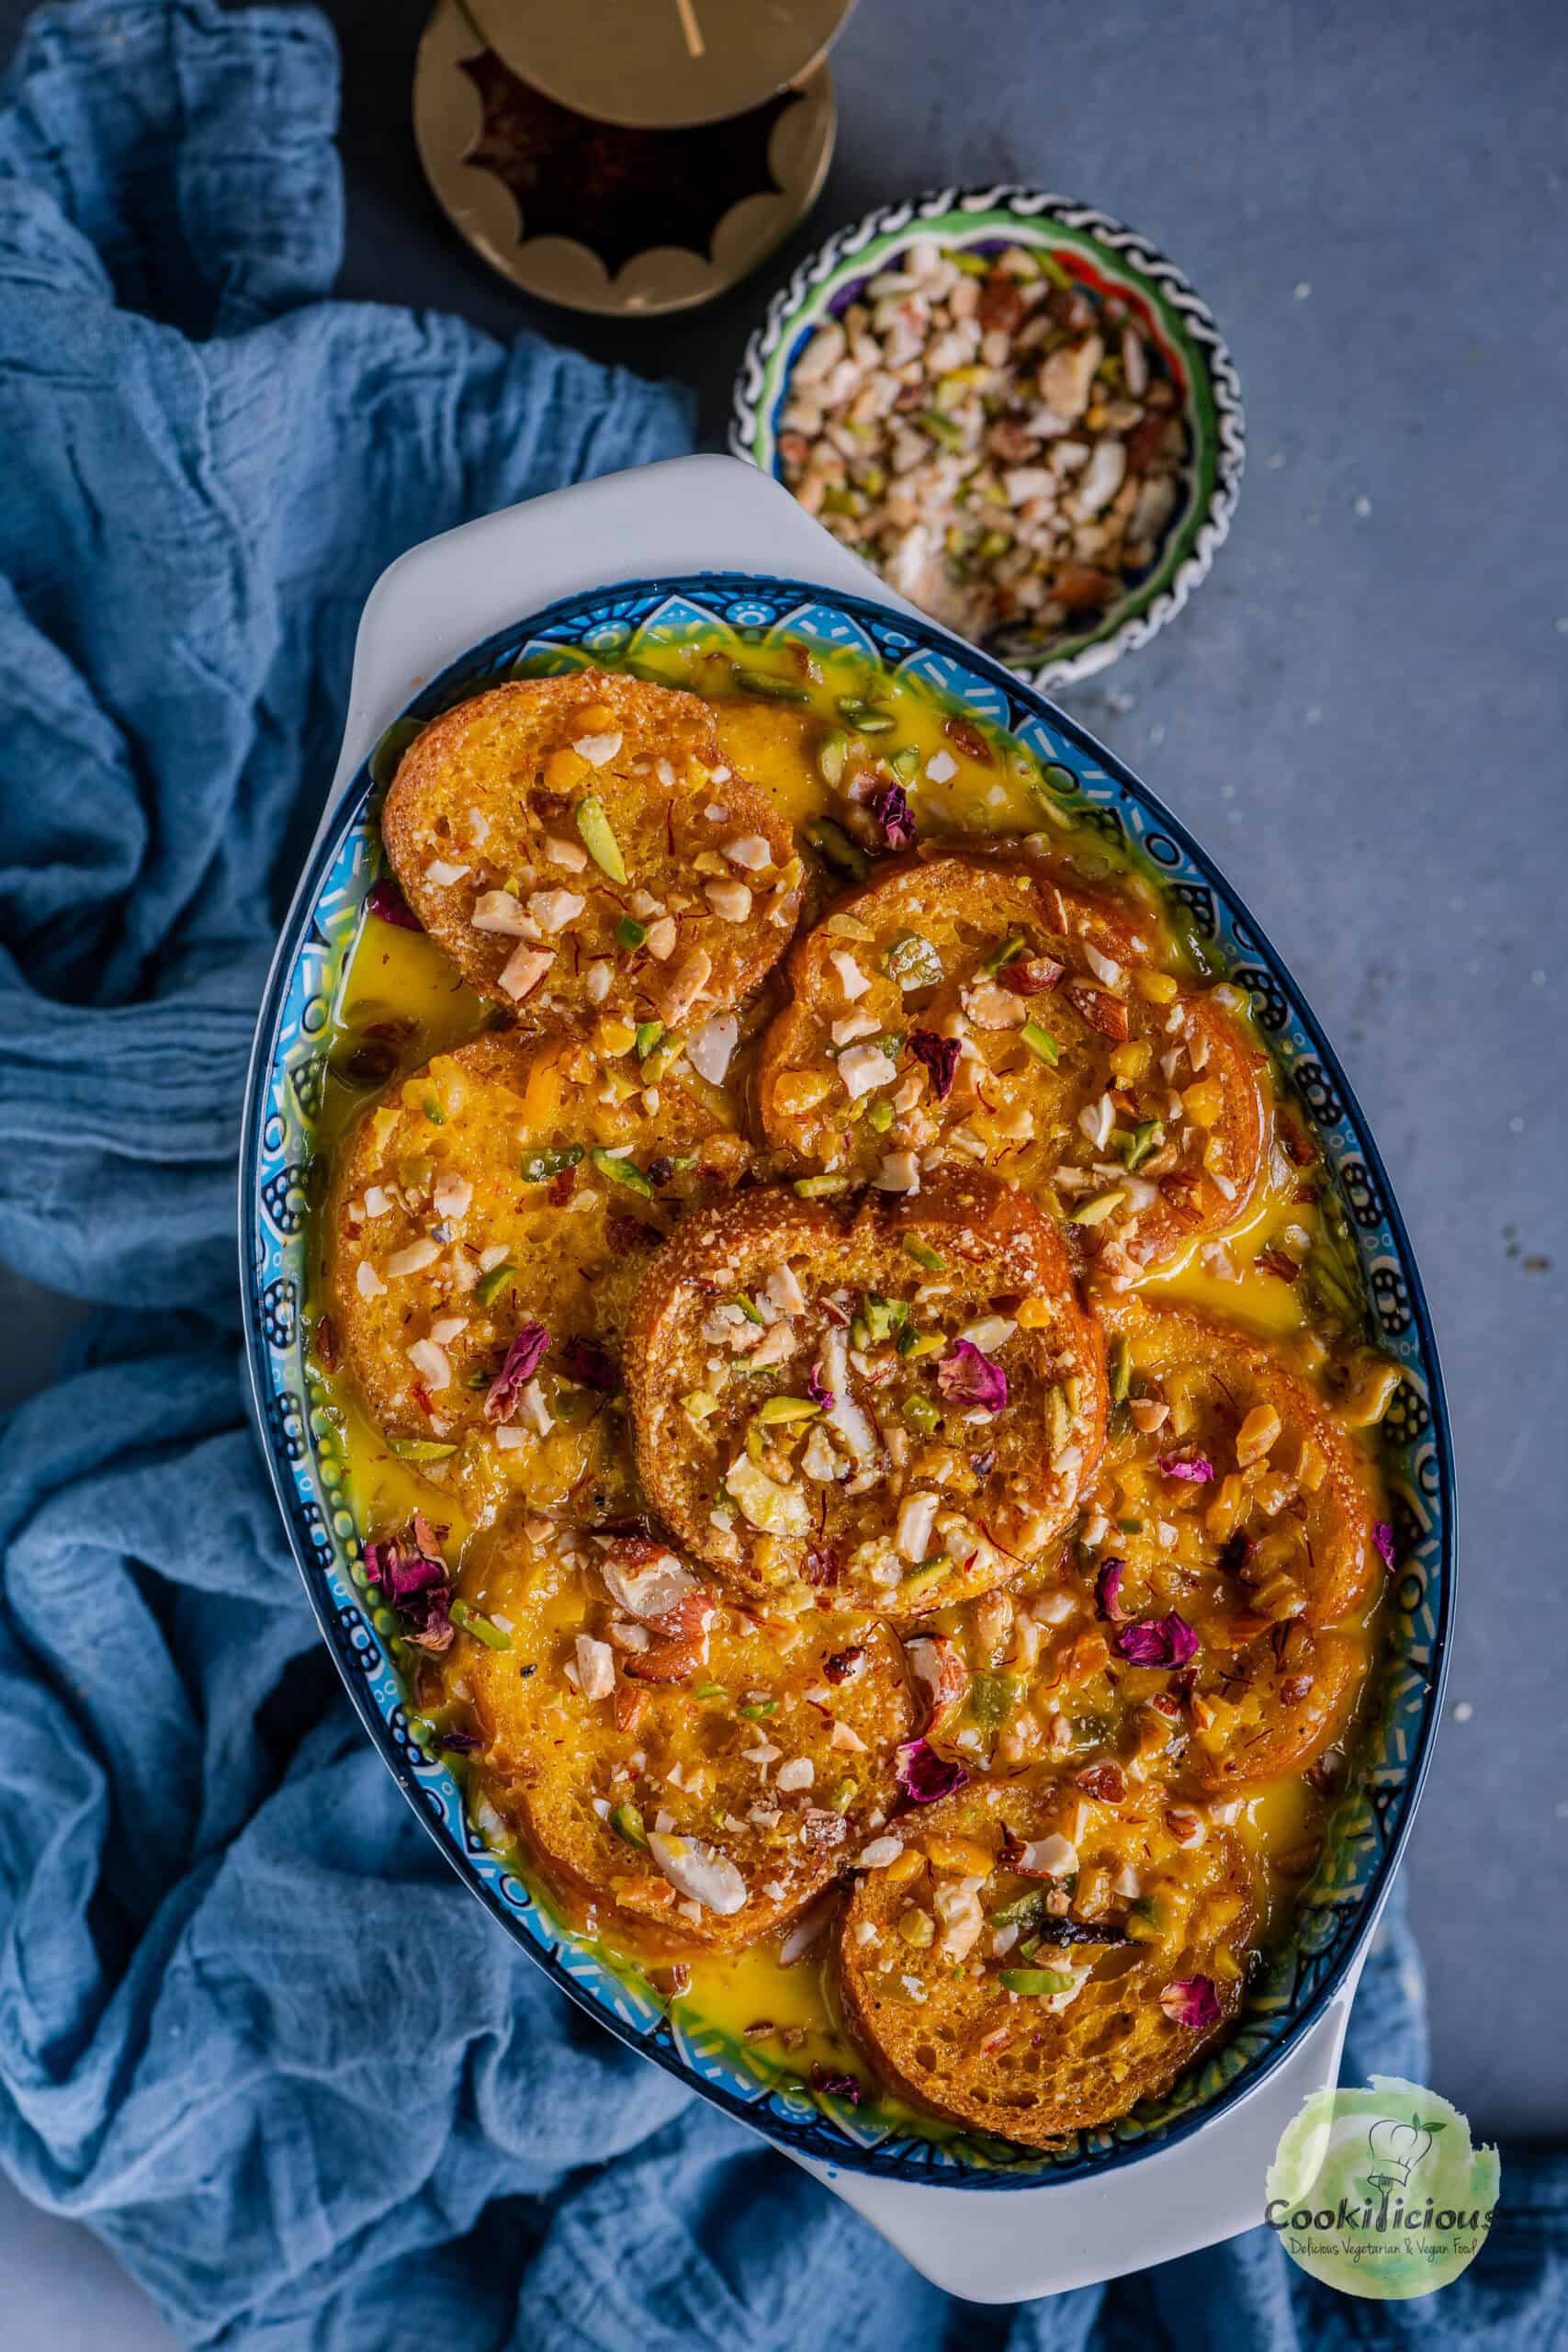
<point x="1104" y="255"/>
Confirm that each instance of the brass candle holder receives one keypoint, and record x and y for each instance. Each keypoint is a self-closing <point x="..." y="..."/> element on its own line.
<point x="626" y="157"/>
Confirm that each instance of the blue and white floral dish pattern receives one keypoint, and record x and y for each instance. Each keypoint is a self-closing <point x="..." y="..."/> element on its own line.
<point x="1371" y="1820"/>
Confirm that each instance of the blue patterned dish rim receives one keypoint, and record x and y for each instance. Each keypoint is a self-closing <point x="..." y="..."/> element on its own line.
<point x="1370" y="1820"/>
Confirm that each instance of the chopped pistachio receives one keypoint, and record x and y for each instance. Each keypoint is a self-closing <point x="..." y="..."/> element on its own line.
<point x="421" y="1449"/>
<point x="991" y="1697"/>
<point x="1037" y="1980"/>
<point x="538" y="1167"/>
<point x="473" y="1621"/>
<point x="1144" y="1138"/>
<point x="769" y="688"/>
<point x="832" y="749"/>
<point x="621" y="1170"/>
<point x="1104" y="1205"/>
<point x="598" y="838"/>
<point x="775" y="1410"/>
<point x="489" y="1287"/>
<point x="864" y="717"/>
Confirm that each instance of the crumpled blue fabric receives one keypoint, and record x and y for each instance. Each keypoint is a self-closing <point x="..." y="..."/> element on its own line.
<point x="252" y="2029"/>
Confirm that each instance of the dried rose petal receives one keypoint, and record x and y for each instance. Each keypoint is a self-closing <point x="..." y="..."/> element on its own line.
<point x="818" y="1389"/>
<point x="1108" y="1590"/>
<point x="415" y="1581"/>
<point x="523" y="1359"/>
<point x="924" y="1776"/>
<point x="1197" y="1471"/>
<point x="833" y="2085"/>
<point x="890" y="806"/>
<point x="587" y="1361"/>
<point x="940" y="1055"/>
<point x="1157" y="1641"/>
<point x="385" y="899"/>
<point x="844" y="1664"/>
<point x="1191" y="2001"/>
<point x="1382" y="1536"/>
<point x="966" y="1377"/>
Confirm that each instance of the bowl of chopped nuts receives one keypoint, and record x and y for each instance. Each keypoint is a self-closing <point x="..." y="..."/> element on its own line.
<point x="1016" y="410"/>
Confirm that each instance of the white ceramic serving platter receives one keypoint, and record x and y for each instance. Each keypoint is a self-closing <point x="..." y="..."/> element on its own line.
<point x="714" y="513"/>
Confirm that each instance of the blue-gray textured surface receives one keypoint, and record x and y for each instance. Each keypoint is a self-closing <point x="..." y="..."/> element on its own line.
<point x="1363" y="712"/>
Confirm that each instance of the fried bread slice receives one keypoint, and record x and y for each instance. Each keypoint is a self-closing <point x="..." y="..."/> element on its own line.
<point x="1204" y="1617"/>
<point x="515" y="1186"/>
<point x="981" y="1008"/>
<point x="887" y="1405"/>
<point x="695" y="1770"/>
<point x="1050" y="1962"/>
<point x="577" y="842"/>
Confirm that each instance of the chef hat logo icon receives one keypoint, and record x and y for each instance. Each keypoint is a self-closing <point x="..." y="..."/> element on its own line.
<point x="1396" y="2149"/>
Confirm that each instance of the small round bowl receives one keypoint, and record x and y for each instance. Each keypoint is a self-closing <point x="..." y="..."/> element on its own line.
<point x="1106" y="259"/>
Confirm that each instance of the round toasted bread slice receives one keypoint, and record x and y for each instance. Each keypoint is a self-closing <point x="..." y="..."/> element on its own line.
<point x="1270" y="1707"/>
<point x="888" y="1407"/>
<point x="980" y="1009"/>
<point x="578" y="842"/>
<point x="1051" y="1963"/>
<point x="695" y="1770"/>
<point x="515" y="1186"/>
<point x="1268" y="1497"/>
<point x="1196" y="1620"/>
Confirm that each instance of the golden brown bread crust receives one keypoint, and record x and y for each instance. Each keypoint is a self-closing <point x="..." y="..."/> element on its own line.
<point x="935" y="2015"/>
<point x="1300" y="1510"/>
<point x="1194" y="1622"/>
<point x="910" y="1488"/>
<point x="485" y="817"/>
<point x="1272" y="1709"/>
<point x="457" y="1188"/>
<point x="782" y="1793"/>
<point x="1123" y="1059"/>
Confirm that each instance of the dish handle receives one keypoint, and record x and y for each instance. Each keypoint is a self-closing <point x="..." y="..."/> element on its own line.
<point x="683" y="514"/>
<point x="1009" y="2244"/>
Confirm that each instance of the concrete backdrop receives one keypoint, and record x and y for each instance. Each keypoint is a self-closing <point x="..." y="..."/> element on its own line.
<point x="1362" y="713"/>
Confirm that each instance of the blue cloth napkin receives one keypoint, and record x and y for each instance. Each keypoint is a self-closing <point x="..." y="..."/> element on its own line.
<point x="251" y="2027"/>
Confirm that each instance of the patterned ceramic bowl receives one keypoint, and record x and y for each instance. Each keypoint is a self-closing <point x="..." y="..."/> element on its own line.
<point x="1108" y="260"/>
<point x="280" y="1179"/>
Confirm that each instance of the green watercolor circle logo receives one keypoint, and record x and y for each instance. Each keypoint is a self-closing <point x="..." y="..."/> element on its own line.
<point x="1379" y="2192"/>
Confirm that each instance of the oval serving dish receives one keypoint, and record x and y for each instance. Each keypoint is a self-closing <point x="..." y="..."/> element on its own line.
<point x="1106" y="259"/>
<point x="280" y="1163"/>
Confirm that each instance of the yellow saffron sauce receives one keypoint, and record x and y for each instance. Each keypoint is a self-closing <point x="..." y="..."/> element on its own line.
<point x="400" y="976"/>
